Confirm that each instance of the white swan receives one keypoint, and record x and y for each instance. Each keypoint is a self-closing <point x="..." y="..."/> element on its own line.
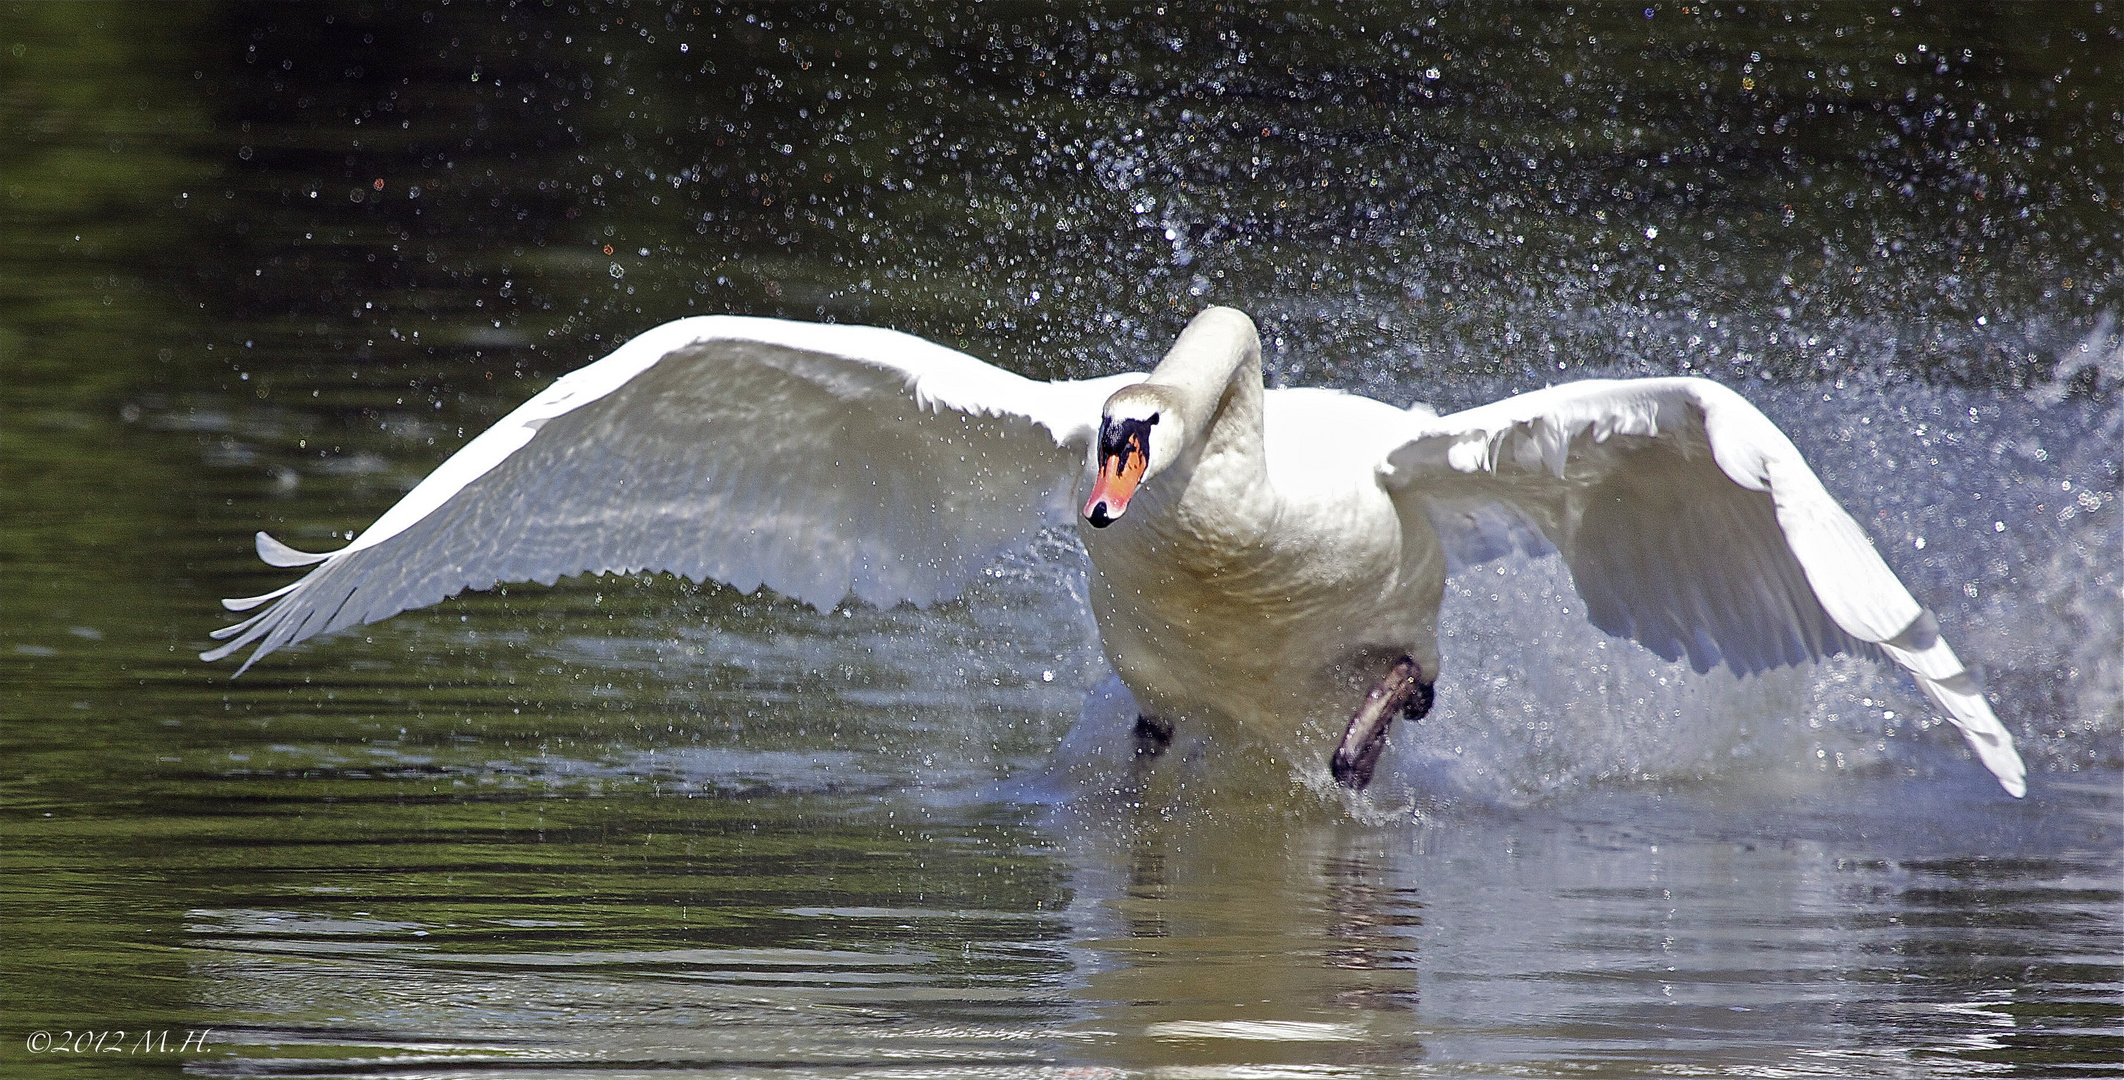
<point x="1254" y="553"/>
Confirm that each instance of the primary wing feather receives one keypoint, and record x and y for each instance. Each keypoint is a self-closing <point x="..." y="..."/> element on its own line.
<point x="1690" y="523"/>
<point x="820" y="461"/>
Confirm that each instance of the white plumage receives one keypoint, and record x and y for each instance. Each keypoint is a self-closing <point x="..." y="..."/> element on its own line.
<point x="1280" y="545"/>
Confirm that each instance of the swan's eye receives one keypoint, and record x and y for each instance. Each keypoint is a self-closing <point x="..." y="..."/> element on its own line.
<point x="1120" y="437"/>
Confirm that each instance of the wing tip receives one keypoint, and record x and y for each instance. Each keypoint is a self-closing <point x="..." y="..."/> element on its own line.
<point x="220" y="651"/>
<point x="212" y="655"/>
<point x="275" y="553"/>
<point x="1965" y="708"/>
<point x="1994" y="748"/>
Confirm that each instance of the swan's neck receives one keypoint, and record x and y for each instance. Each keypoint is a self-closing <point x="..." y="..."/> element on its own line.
<point x="1212" y="376"/>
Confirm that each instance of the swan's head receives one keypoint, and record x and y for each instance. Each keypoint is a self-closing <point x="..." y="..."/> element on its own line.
<point x="1140" y="432"/>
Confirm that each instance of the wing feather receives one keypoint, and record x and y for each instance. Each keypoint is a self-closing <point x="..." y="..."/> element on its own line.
<point x="1690" y="523"/>
<point x="275" y="553"/>
<point x="819" y="461"/>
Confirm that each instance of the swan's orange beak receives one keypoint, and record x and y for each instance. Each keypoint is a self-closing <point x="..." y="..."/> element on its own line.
<point x="1124" y="454"/>
<point x="1119" y="473"/>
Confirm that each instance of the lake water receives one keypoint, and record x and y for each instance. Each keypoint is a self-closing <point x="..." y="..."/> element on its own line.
<point x="267" y="266"/>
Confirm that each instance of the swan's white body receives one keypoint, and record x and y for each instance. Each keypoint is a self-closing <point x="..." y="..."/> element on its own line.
<point x="1273" y="581"/>
<point x="1283" y="544"/>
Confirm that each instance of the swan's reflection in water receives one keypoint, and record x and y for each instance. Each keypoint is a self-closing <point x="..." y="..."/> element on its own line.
<point x="1257" y="939"/>
<point x="817" y="934"/>
<point x="803" y="928"/>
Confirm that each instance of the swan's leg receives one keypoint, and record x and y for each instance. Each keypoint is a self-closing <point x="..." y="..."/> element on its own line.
<point x="1404" y="691"/>
<point x="1152" y="735"/>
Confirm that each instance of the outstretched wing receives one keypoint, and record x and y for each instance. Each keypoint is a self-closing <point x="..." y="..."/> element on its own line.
<point x="1689" y="522"/>
<point x="820" y="461"/>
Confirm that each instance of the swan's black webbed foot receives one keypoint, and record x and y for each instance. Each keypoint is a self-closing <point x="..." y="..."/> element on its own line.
<point x="1404" y="691"/>
<point x="1152" y="736"/>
